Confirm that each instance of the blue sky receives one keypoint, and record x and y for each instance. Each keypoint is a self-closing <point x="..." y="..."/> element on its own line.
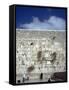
<point x="40" y="18"/>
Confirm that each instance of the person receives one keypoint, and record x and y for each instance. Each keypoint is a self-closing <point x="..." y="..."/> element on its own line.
<point x="23" y="79"/>
<point x="41" y="76"/>
<point x="49" y="80"/>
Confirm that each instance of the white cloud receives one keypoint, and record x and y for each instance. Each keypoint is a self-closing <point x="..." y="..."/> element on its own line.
<point x="53" y="23"/>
